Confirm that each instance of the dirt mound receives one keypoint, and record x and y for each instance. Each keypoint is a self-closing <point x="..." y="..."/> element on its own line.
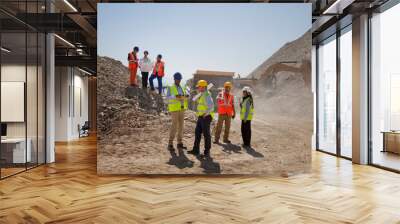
<point x="112" y="79"/>
<point x="122" y="109"/>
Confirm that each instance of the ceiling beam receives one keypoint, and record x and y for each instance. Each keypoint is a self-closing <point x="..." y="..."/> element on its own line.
<point x="84" y="24"/>
<point x="77" y="61"/>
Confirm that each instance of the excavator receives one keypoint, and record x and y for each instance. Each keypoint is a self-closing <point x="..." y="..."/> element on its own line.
<point x="269" y="77"/>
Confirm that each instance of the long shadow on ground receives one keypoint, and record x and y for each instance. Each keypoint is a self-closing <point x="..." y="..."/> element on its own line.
<point x="231" y="148"/>
<point x="253" y="152"/>
<point x="180" y="160"/>
<point x="208" y="165"/>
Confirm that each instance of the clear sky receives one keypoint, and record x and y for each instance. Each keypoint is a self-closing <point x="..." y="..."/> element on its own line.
<point x="223" y="37"/>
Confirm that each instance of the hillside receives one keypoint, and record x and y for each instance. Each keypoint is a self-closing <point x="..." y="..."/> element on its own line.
<point x="297" y="50"/>
<point x="283" y="82"/>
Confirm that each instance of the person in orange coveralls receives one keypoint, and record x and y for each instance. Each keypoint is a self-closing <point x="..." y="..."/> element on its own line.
<point x="133" y="65"/>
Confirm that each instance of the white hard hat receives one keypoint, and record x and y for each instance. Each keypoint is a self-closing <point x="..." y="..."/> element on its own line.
<point x="246" y="89"/>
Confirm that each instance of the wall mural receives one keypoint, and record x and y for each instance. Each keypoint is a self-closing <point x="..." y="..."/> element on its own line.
<point x="204" y="89"/>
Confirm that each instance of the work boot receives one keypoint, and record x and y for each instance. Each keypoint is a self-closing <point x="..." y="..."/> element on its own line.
<point x="216" y="141"/>
<point x="195" y="152"/>
<point x="181" y="146"/>
<point x="246" y="146"/>
<point x="170" y="147"/>
<point x="227" y="141"/>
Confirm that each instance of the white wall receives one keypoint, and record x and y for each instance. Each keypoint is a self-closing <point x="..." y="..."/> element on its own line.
<point x="79" y="111"/>
<point x="33" y="126"/>
<point x="62" y="81"/>
<point x="16" y="73"/>
<point x="70" y="83"/>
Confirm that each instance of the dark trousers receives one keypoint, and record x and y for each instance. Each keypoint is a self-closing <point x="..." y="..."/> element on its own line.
<point x="159" y="79"/>
<point x="246" y="132"/>
<point x="203" y="127"/>
<point x="145" y="77"/>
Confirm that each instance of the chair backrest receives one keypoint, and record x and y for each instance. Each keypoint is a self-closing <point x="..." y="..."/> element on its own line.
<point x="86" y="125"/>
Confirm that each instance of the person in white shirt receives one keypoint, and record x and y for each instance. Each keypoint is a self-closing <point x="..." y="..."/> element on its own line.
<point x="145" y="65"/>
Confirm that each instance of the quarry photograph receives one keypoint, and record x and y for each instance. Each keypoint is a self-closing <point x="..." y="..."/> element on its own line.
<point x="173" y="112"/>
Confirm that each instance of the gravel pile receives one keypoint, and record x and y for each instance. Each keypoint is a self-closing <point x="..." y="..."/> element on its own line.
<point x="122" y="109"/>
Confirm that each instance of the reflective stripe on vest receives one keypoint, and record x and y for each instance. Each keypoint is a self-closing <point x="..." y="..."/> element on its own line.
<point x="243" y="110"/>
<point x="174" y="104"/>
<point x="202" y="106"/>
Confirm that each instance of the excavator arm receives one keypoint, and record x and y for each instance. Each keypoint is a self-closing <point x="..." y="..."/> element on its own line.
<point x="304" y="70"/>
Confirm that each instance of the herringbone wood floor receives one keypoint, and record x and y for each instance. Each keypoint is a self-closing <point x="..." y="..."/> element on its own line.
<point x="69" y="191"/>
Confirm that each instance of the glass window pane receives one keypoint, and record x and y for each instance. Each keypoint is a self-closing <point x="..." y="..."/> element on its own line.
<point x="41" y="98"/>
<point x="327" y="95"/>
<point x="13" y="86"/>
<point x="385" y="95"/>
<point x="22" y="87"/>
<point x="31" y="97"/>
<point x="346" y="93"/>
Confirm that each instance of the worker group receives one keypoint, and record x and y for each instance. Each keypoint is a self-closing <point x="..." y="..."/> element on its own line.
<point x="178" y="97"/>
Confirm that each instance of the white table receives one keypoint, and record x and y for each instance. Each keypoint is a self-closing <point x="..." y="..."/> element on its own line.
<point x="18" y="144"/>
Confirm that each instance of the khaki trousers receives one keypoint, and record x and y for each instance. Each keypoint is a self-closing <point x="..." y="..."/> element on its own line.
<point x="177" y="126"/>
<point x="221" y="119"/>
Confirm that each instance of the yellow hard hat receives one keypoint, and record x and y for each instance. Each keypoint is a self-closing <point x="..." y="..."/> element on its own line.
<point x="228" y="84"/>
<point x="202" y="83"/>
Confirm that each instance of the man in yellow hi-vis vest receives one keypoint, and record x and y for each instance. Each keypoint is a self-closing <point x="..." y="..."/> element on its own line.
<point x="177" y="104"/>
<point x="205" y="113"/>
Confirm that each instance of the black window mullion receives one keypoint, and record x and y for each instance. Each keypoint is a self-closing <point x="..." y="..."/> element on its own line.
<point x="338" y="91"/>
<point x="317" y="97"/>
<point x="26" y="86"/>
<point x="37" y="90"/>
<point x="369" y="94"/>
<point x="46" y="3"/>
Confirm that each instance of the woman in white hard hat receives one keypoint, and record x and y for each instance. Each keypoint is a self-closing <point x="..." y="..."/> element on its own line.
<point x="246" y="115"/>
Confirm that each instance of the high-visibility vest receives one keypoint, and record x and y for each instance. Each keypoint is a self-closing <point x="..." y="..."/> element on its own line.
<point x="132" y="64"/>
<point x="159" y="69"/>
<point x="225" y="104"/>
<point x="174" y="104"/>
<point x="132" y="58"/>
<point x="202" y="106"/>
<point x="243" y="110"/>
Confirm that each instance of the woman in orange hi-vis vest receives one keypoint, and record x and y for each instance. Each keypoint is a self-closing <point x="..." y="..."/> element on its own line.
<point x="133" y="65"/>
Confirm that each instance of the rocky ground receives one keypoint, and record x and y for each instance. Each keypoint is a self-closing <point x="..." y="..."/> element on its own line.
<point x="133" y="135"/>
<point x="275" y="151"/>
